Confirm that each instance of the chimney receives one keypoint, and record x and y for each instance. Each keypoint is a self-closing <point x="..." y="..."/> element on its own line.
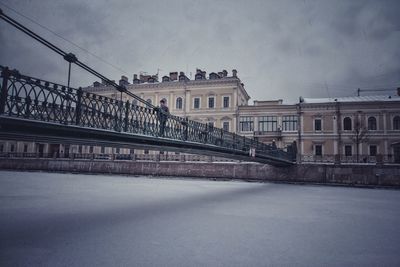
<point x="173" y="76"/>
<point x="96" y="84"/>
<point x="124" y="80"/>
<point x="182" y="76"/>
<point x="135" y="79"/>
<point x="213" y="76"/>
<point x="151" y="78"/>
<point x="234" y="73"/>
<point x="225" y="73"/>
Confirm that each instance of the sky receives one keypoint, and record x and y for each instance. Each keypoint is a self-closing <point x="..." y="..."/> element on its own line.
<point x="281" y="49"/>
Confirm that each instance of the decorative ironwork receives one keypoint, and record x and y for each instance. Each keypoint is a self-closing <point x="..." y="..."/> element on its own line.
<point x="38" y="100"/>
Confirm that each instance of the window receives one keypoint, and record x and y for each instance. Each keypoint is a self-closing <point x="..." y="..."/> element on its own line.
<point x="12" y="148"/>
<point x="318" y="150"/>
<point x="226" y="102"/>
<point x="179" y="103"/>
<point x="225" y="126"/>
<point x="25" y="148"/>
<point x="1" y="147"/>
<point x="347" y="124"/>
<point x="132" y="151"/>
<point x="103" y="149"/>
<point x="165" y="100"/>
<point x="289" y="123"/>
<point x="396" y="123"/>
<point x="149" y="101"/>
<point x="146" y="152"/>
<point x="196" y="102"/>
<point x="372" y="123"/>
<point x="117" y="150"/>
<point x="317" y="125"/>
<point x="80" y="149"/>
<point x="91" y="149"/>
<point x="246" y="124"/>
<point x="267" y="123"/>
<point x="211" y="101"/>
<point x="373" y="150"/>
<point x="210" y="124"/>
<point x="348" y="150"/>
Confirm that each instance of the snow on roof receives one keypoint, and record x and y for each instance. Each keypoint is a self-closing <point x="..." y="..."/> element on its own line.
<point x="369" y="98"/>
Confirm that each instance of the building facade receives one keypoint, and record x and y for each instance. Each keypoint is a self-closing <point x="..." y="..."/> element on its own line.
<point x="350" y="129"/>
<point x="214" y="99"/>
<point x="346" y="129"/>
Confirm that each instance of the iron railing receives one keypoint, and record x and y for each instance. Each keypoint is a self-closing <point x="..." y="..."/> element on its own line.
<point x="35" y="99"/>
<point x="113" y="156"/>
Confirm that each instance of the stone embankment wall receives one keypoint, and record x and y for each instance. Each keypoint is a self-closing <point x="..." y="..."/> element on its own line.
<point x="371" y="175"/>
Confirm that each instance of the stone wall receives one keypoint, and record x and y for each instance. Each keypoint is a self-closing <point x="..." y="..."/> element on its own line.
<point x="382" y="175"/>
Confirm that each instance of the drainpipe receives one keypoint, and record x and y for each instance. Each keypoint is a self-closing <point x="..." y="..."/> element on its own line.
<point x="185" y="99"/>
<point x="237" y="107"/>
<point x="299" y="126"/>
<point x="339" y="132"/>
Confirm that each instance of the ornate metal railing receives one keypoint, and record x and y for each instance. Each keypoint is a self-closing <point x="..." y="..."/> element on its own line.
<point x="113" y="156"/>
<point x="35" y="99"/>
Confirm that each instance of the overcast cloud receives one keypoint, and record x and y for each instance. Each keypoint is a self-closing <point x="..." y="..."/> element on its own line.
<point x="281" y="49"/>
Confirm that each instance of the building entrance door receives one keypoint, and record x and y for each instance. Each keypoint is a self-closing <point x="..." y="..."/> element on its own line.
<point x="396" y="153"/>
<point x="40" y="150"/>
<point x="66" y="151"/>
<point x="54" y="150"/>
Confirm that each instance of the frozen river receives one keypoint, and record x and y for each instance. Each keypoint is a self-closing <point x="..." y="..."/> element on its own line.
<point x="49" y="219"/>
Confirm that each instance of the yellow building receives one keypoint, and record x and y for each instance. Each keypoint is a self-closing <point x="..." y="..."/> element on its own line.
<point x="213" y="99"/>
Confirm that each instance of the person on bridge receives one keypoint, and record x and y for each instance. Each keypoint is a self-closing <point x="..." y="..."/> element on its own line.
<point x="163" y="112"/>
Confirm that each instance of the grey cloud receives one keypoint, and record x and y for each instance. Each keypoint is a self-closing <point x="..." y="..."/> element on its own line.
<point x="282" y="49"/>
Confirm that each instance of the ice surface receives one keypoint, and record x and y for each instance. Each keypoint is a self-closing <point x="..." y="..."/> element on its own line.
<point x="49" y="219"/>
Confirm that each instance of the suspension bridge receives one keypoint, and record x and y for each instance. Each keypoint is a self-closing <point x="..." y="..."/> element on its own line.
<point x="32" y="109"/>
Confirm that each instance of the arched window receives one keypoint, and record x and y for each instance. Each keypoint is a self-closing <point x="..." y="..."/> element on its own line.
<point x="179" y="103"/>
<point x="149" y="101"/>
<point x="372" y="123"/>
<point x="396" y="123"/>
<point x="347" y="124"/>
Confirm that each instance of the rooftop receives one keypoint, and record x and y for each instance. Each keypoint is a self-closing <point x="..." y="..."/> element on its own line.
<point x="369" y="98"/>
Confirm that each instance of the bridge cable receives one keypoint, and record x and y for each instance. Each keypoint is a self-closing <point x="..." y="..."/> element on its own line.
<point x="63" y="38"/>
<point x="70" y="57"/>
